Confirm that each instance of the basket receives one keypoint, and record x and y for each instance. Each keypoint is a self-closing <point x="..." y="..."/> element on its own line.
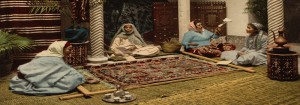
<point x="171" y="47"/>
<point x="78" y="54"/>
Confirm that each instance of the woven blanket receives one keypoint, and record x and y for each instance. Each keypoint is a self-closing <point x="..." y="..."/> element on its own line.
<point x="155" y="70"/>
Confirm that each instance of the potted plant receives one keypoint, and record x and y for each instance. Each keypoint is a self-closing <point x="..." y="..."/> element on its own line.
<point x="260" y="10"/>
<point x="11" y="44"/>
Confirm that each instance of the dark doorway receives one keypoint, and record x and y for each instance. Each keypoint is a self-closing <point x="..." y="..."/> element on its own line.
<point x="291" y="20"/>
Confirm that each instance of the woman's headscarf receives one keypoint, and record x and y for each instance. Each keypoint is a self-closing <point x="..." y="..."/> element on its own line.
<point x="259" y="35"/>
<point x="56" y="49"/>
<point x="133" y="36"/>
<point x="258" y="26"/>
<point x="192" y="26"/>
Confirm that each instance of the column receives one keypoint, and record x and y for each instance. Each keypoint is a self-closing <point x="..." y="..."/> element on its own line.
<point x="275" y="18"/>
<point x="183" y="17"/>
<point x="96" y="31"/>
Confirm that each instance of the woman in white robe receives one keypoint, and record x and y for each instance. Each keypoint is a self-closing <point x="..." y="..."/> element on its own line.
<point x="47" y="73"/>
<point x="128" y="42"/>
<point x="254" y="50"/>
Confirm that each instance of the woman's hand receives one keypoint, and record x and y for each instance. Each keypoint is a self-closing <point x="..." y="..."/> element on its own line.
<point x="131" y="48"/>
<point x="241" y="53"/>
<point x="193" y="44"/>
<point x="217" y="31"/>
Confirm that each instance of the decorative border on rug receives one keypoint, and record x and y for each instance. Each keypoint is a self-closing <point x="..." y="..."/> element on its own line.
<point x="156" y="70"/>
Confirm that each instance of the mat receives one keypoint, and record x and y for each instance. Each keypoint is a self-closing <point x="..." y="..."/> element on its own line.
<point x="155" y="70"/>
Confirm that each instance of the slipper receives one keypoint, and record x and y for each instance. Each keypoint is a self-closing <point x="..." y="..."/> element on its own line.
<point x="90" y="80"/>
<point x="94" y="81"/>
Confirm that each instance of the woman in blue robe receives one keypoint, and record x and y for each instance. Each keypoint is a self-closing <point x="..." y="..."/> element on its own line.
<point x="254" y="50"/>
<point x="198" y="40"/>
<point x="47" y="73"/>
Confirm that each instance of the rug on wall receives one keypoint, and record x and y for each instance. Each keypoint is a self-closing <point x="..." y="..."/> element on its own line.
<point x="155" y="70"/>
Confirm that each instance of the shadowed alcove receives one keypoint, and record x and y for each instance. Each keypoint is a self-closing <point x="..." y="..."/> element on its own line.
<point x="291" y="20"/>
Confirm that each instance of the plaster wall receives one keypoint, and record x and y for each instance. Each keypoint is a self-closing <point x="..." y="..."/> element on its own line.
<point x="236" y="12"/>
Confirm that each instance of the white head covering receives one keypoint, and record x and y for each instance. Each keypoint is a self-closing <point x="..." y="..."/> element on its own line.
<point x="192" y="27"/>
<point x="258" y="26"/>
<point x="56" y="49"/>
<point x="261" y="33"/>
<point x="134" y="36"/>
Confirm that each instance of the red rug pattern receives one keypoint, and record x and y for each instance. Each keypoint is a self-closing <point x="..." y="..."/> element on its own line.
<point x="155" y="70"/>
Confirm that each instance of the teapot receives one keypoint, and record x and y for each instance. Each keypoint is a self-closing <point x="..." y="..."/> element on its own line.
<point x="280" y="41"/>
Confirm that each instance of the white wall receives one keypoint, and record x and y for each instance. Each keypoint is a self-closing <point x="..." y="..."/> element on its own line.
<point x="236" y="12"/>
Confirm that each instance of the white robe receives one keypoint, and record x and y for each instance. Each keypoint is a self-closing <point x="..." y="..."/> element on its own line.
<point x="124" y="46"/>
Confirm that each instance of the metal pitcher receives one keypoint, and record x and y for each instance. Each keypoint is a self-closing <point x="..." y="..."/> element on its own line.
<point x="280" y="41"/>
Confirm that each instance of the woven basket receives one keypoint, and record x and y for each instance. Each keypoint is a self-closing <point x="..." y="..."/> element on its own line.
<point x="78" y="54"/>
<point x="171" y="47"/>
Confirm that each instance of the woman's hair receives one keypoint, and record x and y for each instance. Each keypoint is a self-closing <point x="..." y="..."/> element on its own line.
<point x="196" y="21"/>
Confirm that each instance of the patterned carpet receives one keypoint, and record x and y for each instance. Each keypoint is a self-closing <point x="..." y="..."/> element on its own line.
<point x="156" y="70"/>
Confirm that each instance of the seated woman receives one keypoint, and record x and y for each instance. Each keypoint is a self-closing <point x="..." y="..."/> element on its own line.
<point x="197" y="41"/>
<point x="128" y="42"/>
<point x="254" y="50"/>
<point x="47" y="73"/>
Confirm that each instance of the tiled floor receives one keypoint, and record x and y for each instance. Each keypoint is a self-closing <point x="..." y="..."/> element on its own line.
<point x="295" y="47"/>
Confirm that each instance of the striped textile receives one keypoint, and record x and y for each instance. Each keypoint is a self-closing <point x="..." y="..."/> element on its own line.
<point x="15" y="16"/>
<point x="43" y="28"/>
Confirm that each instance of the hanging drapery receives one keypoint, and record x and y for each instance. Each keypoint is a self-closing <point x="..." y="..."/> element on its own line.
<point x="80" y="10"/>
<point x="43" y="28"/>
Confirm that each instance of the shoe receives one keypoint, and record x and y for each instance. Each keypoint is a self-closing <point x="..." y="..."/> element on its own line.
<point x="90" y="80"/>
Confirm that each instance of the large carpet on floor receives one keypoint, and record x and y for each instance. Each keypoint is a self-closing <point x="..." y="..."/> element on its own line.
<point x="156" y="70"/>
